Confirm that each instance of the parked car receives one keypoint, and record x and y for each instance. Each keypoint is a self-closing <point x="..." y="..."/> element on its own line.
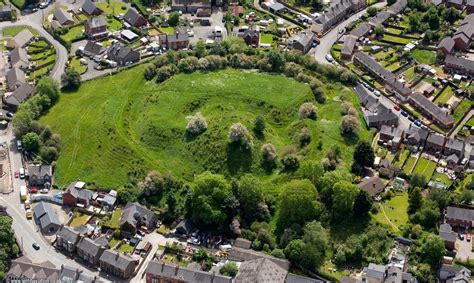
<point x="377" y="93"/>
<point x="396" y="107"/>
<point x="9" y="114"/>
<point x="17" y="174"/>
<point x="36" y="246"/>
<point x="404" y="113"/>
<point x="417" y="122"/>
<point x="411" y="118"/>
<point x="33" y="190"/>
<point x="461" y="236"/>
<point x="329" y="58"/>
<point x="468" y="237"/>
<point x="44" y="191"/>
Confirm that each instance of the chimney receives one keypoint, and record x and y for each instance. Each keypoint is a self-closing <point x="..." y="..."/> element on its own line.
<point x="177" y="34"/>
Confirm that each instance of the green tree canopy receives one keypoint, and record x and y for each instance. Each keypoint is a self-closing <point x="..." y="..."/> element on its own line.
<point x="364" y="154"/>
<point x="250" y="195"/>
<point x="432" y="250"/>
<point x="343" y="199"/>
<point x="415" y="200"/>
<point x="31" y="142"/>
<point x="49" y="87"/>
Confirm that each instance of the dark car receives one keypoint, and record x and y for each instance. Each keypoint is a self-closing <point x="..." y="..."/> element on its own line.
<point x="36" y="246"/>
<point x="9" y="114"/>
<point x="418" y="123"/>
<point x="404" y="113"/>
<point x="411" y="118"/>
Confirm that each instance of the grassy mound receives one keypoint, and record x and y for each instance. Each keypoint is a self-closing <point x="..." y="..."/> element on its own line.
<point x="117" y="128"/>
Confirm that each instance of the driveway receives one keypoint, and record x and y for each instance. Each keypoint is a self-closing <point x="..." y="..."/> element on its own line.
<point x="464" y="249"/>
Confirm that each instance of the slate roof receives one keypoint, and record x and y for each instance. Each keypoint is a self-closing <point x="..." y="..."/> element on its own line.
<point x="349" y="45"/>
<point x="23" y="37"/>
<point x="119" y="261"/>
<point x="68" y="234"/>
<point x="132" y="16"/>
<point x="14" y="76"/>
<point x="458" y="274"/>
<point x="416" y="135"/>
<point x="20" y="94"/>
<point x="19" y="57"/>
<point x="134" y="212"/>
<point x="304" y="38"/>
<point x="380" y="18"/>
<point x="459" y="213"/>
<point x="454" y="144"/>
<point x="293" y="278"/>
<point x="89" y="246"/>
<point x="373" y="65"/>
<point x="260" y="270"/>
<point x="436" y="139"/>
<point x="118" y="52"/>
<point x="398" y="86"/>
<point x="40" y="170"/>
<point x="49" y="218"/>
<point x="422" y="102"/>
<point x="41" y="209"/>
<point x="361" y="30"/>
<point x="459" y="63"/>
<point x="375" y="271"/>
<point x="23" y="268"/>
<point x="62" y="16"/>
<point x="446" y="232"/>
<point x="95" y="22"/>
<point x="372" y="185"/>
<point x="398" y="7"/>
<point x="94" y="48"/>
<point x="178" y="36"/>
<point x="90" y="7"/>
<point x="79" y="193"/>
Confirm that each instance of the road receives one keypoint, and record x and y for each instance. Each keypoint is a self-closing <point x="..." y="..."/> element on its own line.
<point x="326" y="42"/>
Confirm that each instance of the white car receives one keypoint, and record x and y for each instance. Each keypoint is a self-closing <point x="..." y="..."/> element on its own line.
<point x="329" y="58"/>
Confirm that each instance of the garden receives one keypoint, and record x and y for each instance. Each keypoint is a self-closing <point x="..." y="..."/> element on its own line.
<point x="425" y="168"/>
<point x="114" y="8"/>
<point x="393" y="212"/>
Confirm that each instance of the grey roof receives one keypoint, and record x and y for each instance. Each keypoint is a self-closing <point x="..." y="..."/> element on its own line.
<point x="19" y="57"/>
<point x="417" y="135"/>
<point x="398" y="86"/>
<point x="372" y="185"/>
<point x="375" y="271"/>
<point x="373" y="65"/>
<point x="132" y="16"/>
<point x="277" y="6"/>
<point x="95" y="22"/>
<point x="135" y="214"/>
<point x="457" y="274"/>
<point x="40" y="170"/>
<point x="422" y="102"/>
<point x="128" y="34"/>
<point x="365" y="98"/>
<point x="23" y="37"/>
<point x="293" y="278"/>
<point x="436" y="139"/>
<point x="178" y="36"/>
<point x="349" y="44"/>
<point x="79" y="193"/>
<point x="49" y="218"/>
<point x="118" y="52"/>
<point x="260" y="270"/>
<point x="14" y="76"/>
<point x="380" y="18"/>
<point x="446" y="232"/>
<point x="459" y="63"/>
<point x="94" y="48"/>
<point x="62" y="16"/>
<point x="25" y="269"/>
<point x="242" y="243"/>
<point x="454" y="144"/>
<point x="239" y="254"/>
<point x="89" y="246"/>
<point x="42" y="208"/>
<point x="459" y="213"/>
<point x="90" y="7"/>
<point x="120" y="261"/>
<point x="398" y="7"/>
<point x="20" y="94"/>
<point x="305" y="38"/>
<point x="361" y="30"/>
<point x="68" y="234"/>
<point x="109" y="200"/>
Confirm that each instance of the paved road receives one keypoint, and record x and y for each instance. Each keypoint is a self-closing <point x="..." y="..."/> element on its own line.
<point x="326" y="42"/>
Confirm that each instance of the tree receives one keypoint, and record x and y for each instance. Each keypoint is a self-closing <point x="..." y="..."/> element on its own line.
<point x="417" y="180"/>
<point x="8" y="246"/>
<point x="259" y="124"/>
<point x="350" y="125"/>
<point x="391" y="2"/>
<point x="379" y="30"/>
<point x="364" y="154"/>
<point x="229" y="269"/>
<point x="304" y="136"/>
<point x="290" y="162"/>
<point x="343" y="199"/>
<point x="297" y="203"/>
<point x="48" y="154"/>
<point x="308" y="111"/>
<point x="71" y="79"/>
<point x="150" y="71"/>
<point x="295" y="251"/>
<point x="212" y="201"/>
<point x="31" y="142"/>
<point x="49" y="87"/>
<point x="127" y="193"/>
<point x="415" y="200"/>
<point x="441" y="197"/>
<point x="269" y="153"/>
<point x="428" y="215"/>
<point x="371" y="11"/>
<point x="152" y="184"/>
<point x="432" y="250"/>
<point x="200" y="50"/>
<point x="362" y="204"/>
<point x="238" y="133"/>
<point x="249" y="195"/>
<point x="197" y="124"/>
<point x="173" y="19"/>
<point x="466" y="196"/>
<point x="276" y="60"/>
<point x="311" y="170"/>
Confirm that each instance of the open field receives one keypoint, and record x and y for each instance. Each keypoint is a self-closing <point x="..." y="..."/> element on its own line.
<point x="444" y="96"/>
<point x="393" y="212"/>
<point x="424" y="56"/>
<point x="425" y="167"/>
<point x="118" y="128"/>
<point x="113" y="8"/>
<point x="14" y="30"/>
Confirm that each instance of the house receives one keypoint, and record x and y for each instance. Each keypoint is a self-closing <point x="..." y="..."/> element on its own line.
<point x="470" y="6"/>
<point x="454" y="274"/>
<point x="446" y="46"/>
<point x="71" y="274"/>
<point x="372" y="185"/>
<point x="40" y="175"/>
<point x="24" y="270"/>
<point x="108" y="201"/>
<point x="348" y="47"/>
<point x="431" y="110"/>
<point x="22" y="39"/>
<point x="401" y="90"/>
<point x="63" y="17"/>
<point x="245" y="255"/>
<point x="19" y="58"/>
<point x="454" y="3"/>
<point x="177" y="41"/>
<point x="392" y="135"/>
<point x="459" y="217"/>
<point x="242" y="243"/>
<point x="46" y="218"/>
<point x="135" y="217"/>
<point x="6" y="13"/>
<point x="416" y="136"/>
<point x="336" y="12"/>
<point x="128" y="35"/>
<point x="189" y="6"/>
<point x="122" y="54"/>
<point x="90" y="9"/>
<point x="301" y="41"/>
<point x="184" y="228"/>
<point x="251" y="36"/>
<point x="459" y="65"/>
<point x="362" y="30"/>
<point x="158" y="271"/>
<point x="380" y="18"/>
<point x="120" y="265"/>
<point x="398" y="7"/>
<point x="67" y="238"/>
<point x="434" y="143"/>
<point x="369" y="64"/>
<point x="89" y="251"/>
<point x="385" y="274"/>
<point x="380" y="117"/>
<point x="134" y="18"/>
<point x="93" y="49"/>
<point x="76" y="194"/>
<point x="448" y="236"/>
<point x="454" y="146"/>
<point x="260" y="270"/>
<point x="96" y="28"/>
<point x="22" y="93"/>
<point x="15" y="78"/>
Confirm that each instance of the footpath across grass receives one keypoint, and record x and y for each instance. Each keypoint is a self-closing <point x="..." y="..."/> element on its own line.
<point x="393" y="213"/>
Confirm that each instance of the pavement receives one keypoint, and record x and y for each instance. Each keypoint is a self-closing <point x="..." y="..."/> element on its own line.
<point x="327" y="41"/>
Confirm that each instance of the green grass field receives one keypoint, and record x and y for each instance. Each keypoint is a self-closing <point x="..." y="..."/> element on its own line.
<point x="73" y="33"/>
<point x="441" y="178"/>
<point x="114" y="24"/>
<point x="425" y="167"/>
<point x="445" y="95"/>
<point x="113" y="8"/>
<point x="393" y="213"/>
<point x="462" y="109"/>
<point x="409" y="165"/>
<point x="14" y="30"/>
<point x="396" y="39"/>
<point x="119" y="127"/>
<point x="76" y="64"/>
<point x="424" y="56"/>
<point x="80" y="219"/>
<point x="402" y="157"/>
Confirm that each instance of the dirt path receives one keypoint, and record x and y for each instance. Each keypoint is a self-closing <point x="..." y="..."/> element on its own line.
<point x="386" y="217"/>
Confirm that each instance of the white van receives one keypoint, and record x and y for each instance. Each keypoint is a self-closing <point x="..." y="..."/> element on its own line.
<point x="22" y="173"/>
<point x="19" y="145"/>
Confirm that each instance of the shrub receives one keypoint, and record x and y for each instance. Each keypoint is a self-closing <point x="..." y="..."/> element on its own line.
<point x="150" y="72"/>
<point x="269" y="153"/>
<point x="290" y="162"/>
<point x="165" y="72"/>
<point x="350" y="125"/>
<point x="229" y="269"/>
<point x="348" y="109"/>
<point x="188" y="65"/>
<point x="305" y="136"/>
<point x="292" y="69"/>
<point x="259" y="124"/>
<point x="238" y="133"/>
<point x="308" y="110"/>
<point x="197" y="124"/>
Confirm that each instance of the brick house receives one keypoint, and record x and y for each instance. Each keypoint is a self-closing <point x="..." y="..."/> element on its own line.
<point x="67" y="238"/>
<point x="96" y="28"/>
<point x="459" y="217"/>
<point x="76" y="194"/>
<point x="120" y="265"/>
<point x="40" y="175"/>
<point x="89" y="251"/>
